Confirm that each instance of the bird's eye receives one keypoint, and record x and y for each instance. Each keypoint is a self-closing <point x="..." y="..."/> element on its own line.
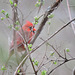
<point x="30" y="27"/>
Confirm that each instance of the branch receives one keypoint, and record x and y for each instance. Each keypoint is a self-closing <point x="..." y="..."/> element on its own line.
<point x="60" y="65"/>
<point x="27" y="49"/>
<point x="34" y="49"/>
<point x="42" y="44"/>
<point x="55" y="68"/>
<point x="21" y="63"/>
<point x="45" y="18"/>
<point x="69" y="12"/>
<point x="54" y="49"/>
<point x="15" y="15"/>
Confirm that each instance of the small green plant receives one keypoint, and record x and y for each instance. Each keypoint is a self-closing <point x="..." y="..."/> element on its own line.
<point x="51" y="16"/>
<point x="43" y="72"/>
<point x="51" y="53"/>
<point x="36" y="63"/>
<point x="3" y="11"/>
<point x="2" y="18"/>
<point x="17" y="23"/>
<point x="54" y="62"/>
<point x="67" y="50"/>
<point x="11" y="2"/>
<point x="3" y="68"/>
<point x="49" y="23"/>
<point x="6" y="15"/>
<point x="29" y="46"/>
<point x="17" y="28"/>
<point x="34" y="23"/>
<point x="15" y="4"/>
<point x="36" y="18"/>
<point x="10" y="26"/>
<point x="33" y="59"/>
<point x="37" y="4"/>
<point x="18" y="71"/>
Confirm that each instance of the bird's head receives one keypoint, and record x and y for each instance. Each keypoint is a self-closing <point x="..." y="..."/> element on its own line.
<point x="29" y="27"/>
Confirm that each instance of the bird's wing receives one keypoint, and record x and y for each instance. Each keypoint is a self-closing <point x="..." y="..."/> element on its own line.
<point x="20" y="39"/>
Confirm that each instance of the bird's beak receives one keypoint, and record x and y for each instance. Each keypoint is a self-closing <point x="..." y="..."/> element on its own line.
<point x="34" y="29"/>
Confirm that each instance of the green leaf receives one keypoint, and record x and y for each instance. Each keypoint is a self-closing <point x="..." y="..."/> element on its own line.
<point x="2" y="18"/>
<point x="43" y="72"/>
<point x="35" y="23"/>
<point x="17" y="23"/>
<point x="33" y="59"/>
<point x="11" y="2"/>
<point x="30" y="49"/>
<point x="3" y="11"/>
<point x="36" y="18"/>
<point x="51" y="53"/>
<point x="39" y="0"/>
<point x="51" y="16"/>
<point x="37" y="4"/>
<point x="10" y="27"/>
<point x="29" y="45"/>
<point x="18" y="71"/>
<point x="36" y="63"/>
<point x="54" y="62"/>
<point x="17" y="28"/>
<point x="7" y="15"/>
<point x="67" y="49"/>
<point x="49" y="23"/>
<point x="15" y="4"/>
<point x="3" y="68"/>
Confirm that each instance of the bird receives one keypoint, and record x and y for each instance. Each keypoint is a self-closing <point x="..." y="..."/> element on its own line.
<point x="29" y="31"/>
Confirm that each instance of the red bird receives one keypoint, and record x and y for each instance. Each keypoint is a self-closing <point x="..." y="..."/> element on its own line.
<point x="29" y="31"/>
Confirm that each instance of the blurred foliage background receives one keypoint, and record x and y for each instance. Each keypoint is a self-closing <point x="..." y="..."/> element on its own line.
<point x="64" y="39"/>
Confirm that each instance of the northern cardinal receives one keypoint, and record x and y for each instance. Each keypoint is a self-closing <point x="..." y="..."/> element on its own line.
<point x="29" y="31"/>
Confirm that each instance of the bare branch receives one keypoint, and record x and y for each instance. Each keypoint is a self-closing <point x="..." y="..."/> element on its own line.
<point x="60" y="65"/>
<point x="69" y="11"/>
<point x="34" y="49"/>
<point x="14" y="10"/>
<point x="42" y="44"/>
<point x="45" y="18"/>
<point x="55" y="68"/>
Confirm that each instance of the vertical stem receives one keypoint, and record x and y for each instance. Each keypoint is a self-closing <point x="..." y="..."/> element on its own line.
<point x="69" y="12"/>
<point x="15" y="17"/>
<point x="14" y="11"/>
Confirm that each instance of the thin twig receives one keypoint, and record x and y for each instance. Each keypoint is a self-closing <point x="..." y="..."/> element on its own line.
<point x="69" y="11"/>
<point x="42" y="44"/>
<point x="65" y="54"/>
<point x="21" y="63"/>
<point x="45" y="19"/>
<point x="27" y="49"/>
<point x="54" y="49"/>
<point x="21" y="14"/>
<point x="14" y="10"/>
<point x="34" y="49"/>
<point x="55" y="68"/>
<point x="60" y="65"/>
